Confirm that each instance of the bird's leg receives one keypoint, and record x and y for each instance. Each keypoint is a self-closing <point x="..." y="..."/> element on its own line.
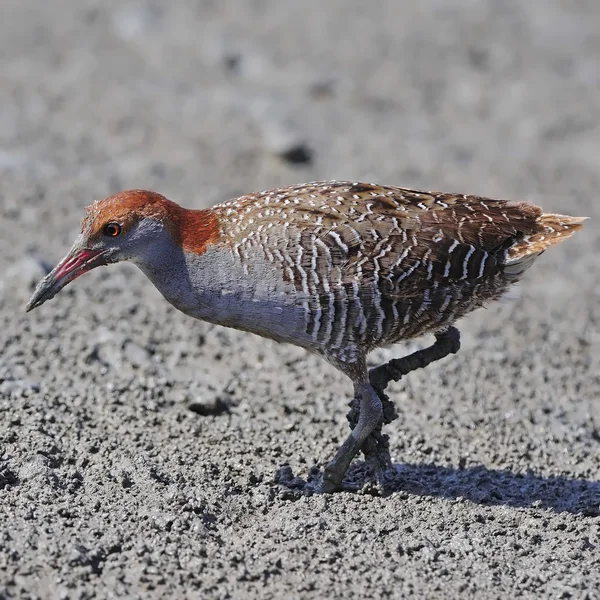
<point x="369" y="417"/>
<point x="446" y="342"/>
<point x="370" y="410"/>
<point x="376" y="448"/>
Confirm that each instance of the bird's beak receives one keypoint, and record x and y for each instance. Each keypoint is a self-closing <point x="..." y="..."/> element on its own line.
<point x="77" y="262"/>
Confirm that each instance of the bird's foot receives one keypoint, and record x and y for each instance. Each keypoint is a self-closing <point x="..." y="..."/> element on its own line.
<point x="370" y="477"/>
<point x="317" y="482"/>
<point x="321" y="485"/>
<point x="376" y="450"/>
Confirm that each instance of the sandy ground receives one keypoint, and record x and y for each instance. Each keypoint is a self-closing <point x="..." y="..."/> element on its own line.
<point x="138" y="448"/>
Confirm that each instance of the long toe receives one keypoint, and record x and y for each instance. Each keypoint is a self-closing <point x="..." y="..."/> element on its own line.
<point x="316" y="483"/>
<point x="324" y="486"/>
<point x="376" y="451"/>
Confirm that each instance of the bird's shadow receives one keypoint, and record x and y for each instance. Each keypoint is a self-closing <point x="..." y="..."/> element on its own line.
<point x="479" y="485"/>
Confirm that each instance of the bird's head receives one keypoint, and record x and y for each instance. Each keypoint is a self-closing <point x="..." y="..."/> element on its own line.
<point x="129" y="226"/>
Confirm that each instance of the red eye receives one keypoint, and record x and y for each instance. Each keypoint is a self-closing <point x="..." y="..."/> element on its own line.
<point x="112" y="229"/>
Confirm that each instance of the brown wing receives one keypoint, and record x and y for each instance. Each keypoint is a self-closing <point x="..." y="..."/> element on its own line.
<point x="375" y="264"/>
<point x="405" y="240"/>
<point x="409" y="240"/>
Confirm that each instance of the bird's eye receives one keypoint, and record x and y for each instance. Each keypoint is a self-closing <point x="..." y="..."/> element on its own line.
<point x="112" y="229"/>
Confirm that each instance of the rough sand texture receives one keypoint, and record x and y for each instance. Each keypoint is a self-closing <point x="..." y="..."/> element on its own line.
<point x="110" y="485"/>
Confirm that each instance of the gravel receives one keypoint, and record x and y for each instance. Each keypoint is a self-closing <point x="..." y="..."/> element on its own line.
<point x="139" y="450"/>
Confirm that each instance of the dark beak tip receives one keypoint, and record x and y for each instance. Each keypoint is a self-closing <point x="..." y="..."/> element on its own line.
<point x="41" y="293"/>
<point x="72" y="266"/>
<point x="33" y="303"/>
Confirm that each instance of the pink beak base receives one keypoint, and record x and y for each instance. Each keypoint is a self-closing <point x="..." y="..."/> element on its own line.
<point x="76" y="263"/>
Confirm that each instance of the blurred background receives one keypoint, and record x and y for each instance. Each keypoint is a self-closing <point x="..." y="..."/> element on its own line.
<point x="204" y="100"/>
<point x="207" y="99"/>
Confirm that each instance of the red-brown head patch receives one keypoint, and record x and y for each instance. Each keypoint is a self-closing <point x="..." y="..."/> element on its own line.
<point x="193" y="229"/>
<point x="125" y="208"/>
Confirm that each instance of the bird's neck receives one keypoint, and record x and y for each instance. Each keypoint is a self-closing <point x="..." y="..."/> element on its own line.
<point x="174" y="261"/>
<point x="203" y="278"/>
<point x="193" y="230"/>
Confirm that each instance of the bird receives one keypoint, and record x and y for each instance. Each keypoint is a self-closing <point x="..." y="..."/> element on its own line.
<point x="338" y="268"/>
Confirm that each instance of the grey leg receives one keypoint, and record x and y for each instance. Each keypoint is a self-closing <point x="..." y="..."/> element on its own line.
<point x="446" y="342"/>
<point x="376" y="448"/>
<point x="370" y="415"/>
<point x="370" y="409"/>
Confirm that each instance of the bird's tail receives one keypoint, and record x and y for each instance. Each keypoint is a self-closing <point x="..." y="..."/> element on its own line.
<point x="551" y="229"/>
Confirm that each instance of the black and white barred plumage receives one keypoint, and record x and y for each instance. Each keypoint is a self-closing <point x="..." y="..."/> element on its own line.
<point x="373" y="265"/>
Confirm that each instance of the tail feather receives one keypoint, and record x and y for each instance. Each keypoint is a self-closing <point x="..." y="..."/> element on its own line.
<point x="551" y="229"/>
